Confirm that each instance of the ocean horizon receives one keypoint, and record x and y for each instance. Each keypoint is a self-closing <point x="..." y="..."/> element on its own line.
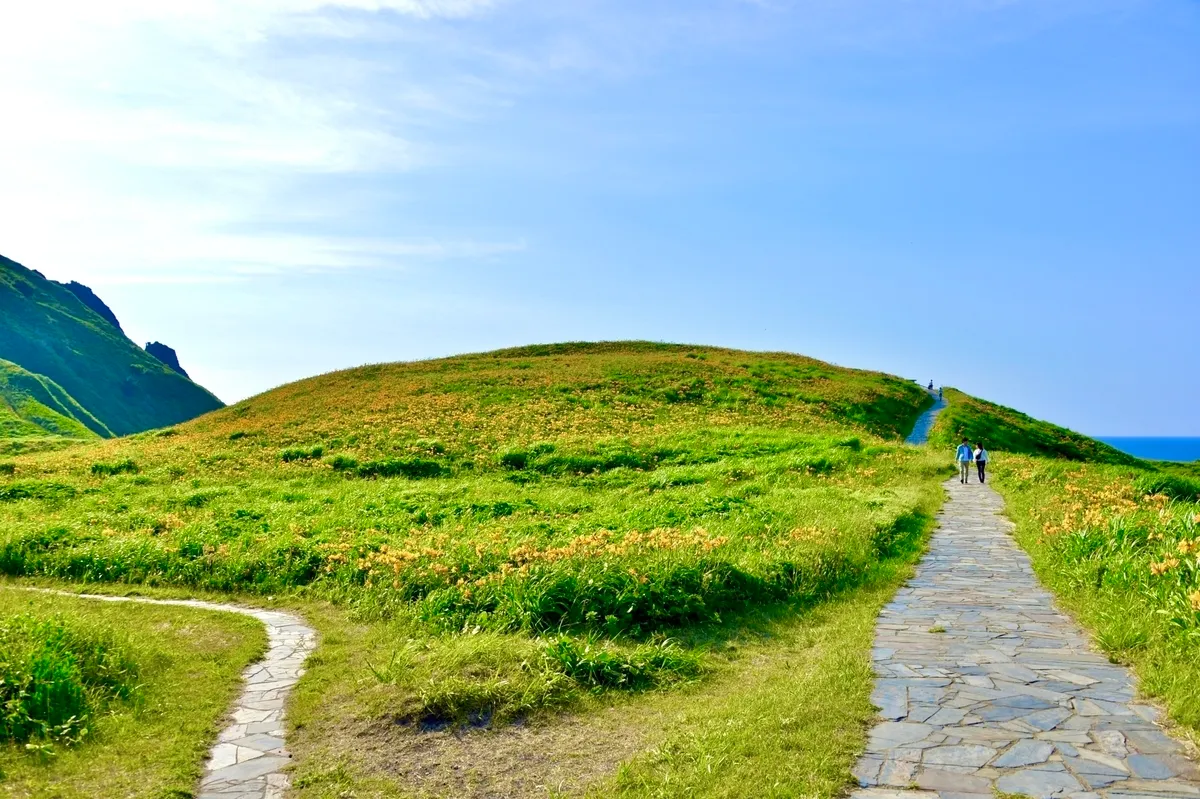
<point x="1178" y="448"/>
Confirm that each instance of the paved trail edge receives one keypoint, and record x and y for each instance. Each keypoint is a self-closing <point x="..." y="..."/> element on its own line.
<point x="249" y="756"/>
<point x="986" y="687"/>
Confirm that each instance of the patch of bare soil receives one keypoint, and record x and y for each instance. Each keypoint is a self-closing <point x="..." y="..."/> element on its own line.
<point x="560" y="755"/>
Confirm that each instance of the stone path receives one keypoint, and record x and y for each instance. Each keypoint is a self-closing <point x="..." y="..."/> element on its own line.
<point x="248" y="759"/>
<point x="986" y="687"/>
<point x="920" y="433"/>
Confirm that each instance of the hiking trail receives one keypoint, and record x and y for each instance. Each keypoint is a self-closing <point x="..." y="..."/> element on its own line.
<point x="985" y="686"/>
<point x="920" y="432"/>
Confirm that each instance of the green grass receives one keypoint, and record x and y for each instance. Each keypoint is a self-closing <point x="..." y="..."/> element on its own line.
<point x="87" y="362"/>
<point x="503" y="541"/>
<point x="147" y="686"/>
<point x="781" y="709"/>
<point x="56" y="674"/>
<point x="32" y="406"/>
<point x="1006" y="430"/>
<point x="1125" y="558"/>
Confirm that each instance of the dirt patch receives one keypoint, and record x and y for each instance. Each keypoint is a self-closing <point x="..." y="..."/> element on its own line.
<point x="564" y="755"/>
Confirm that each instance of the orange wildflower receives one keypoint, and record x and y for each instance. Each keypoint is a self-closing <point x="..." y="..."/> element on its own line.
<point x="1165" y="566"/>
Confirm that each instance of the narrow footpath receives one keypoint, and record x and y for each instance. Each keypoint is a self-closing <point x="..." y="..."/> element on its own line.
<point x="986" y="687"/>
<point x="248" y="759"/>
<point x="920" y="433"/>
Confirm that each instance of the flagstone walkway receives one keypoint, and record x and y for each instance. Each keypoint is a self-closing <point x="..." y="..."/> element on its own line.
<point x="920" y="433"/>
<point x="248" y="759"/>
<point x="986" y="687"/>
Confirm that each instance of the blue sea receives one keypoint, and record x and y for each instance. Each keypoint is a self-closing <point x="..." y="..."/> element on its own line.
<point x="1158" y="449"/>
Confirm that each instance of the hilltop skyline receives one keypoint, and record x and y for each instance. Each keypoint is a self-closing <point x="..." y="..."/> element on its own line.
<point x="996" y="196"/>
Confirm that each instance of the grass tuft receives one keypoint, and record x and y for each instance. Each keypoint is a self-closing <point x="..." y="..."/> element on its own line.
<point x="55" y="673"/>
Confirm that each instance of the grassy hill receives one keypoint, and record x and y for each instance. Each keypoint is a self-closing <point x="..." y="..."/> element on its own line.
<point x="32" y="406"/>
<point x="606" y="563"/>
<point x="510" y="535"/>
<point x="1007" y="430"/>
<point x="48" y="330"/>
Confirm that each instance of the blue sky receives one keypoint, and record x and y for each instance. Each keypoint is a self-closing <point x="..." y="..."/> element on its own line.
<point x="1001" y="195"/>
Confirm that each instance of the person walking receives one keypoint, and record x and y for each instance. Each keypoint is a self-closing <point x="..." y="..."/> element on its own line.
<point x="964" y="456"/>
<point x="981" y="460"/>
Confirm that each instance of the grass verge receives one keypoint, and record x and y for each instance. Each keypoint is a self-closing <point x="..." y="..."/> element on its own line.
<point x="151" y="743"/>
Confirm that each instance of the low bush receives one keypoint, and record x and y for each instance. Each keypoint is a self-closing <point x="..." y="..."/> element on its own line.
<point x="1172" y="486"/>
<point x="412" y="468"/>
<point x="126" y="466"/>
<point x="545" y="460"/>
<point x="8" y="469"/>
<point x="33" y="489"/>
<point x="55" y="674"/>
<point x="596" y="666"/>
<point x="458" y="700"/>
<point x="343" y="463"/>
<point x="301" y="454"/>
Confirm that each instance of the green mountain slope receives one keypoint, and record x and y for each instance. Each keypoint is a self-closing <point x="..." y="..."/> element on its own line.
<point x="33" y="405"/>
<point x="1009" y="430"/>
<point x="48" y="330"/>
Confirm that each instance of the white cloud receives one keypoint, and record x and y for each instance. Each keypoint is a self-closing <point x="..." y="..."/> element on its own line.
<point x="139" y="131"/>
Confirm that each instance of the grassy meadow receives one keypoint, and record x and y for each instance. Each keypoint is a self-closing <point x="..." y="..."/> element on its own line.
<point x="522" y="544"/>
<point x="113" y="699"/>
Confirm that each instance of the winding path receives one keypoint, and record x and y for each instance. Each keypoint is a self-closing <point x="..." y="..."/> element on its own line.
<point x="986" y="687"/>
<point x="920" y="433"/>
<point x="248" y="759"/>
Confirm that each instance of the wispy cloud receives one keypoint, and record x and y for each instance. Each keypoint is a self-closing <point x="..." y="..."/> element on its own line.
<point x="144" y="137"/>
<point x="147" y="129"/>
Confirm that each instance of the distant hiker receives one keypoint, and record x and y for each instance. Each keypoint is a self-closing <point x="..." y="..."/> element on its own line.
<point x="964" y="456"/>
<point x="981" y="459"/>
<point x="940" y="393"/>
<point x="931" y="385"/>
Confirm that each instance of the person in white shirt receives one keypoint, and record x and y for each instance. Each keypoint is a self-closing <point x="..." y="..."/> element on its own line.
<point x="964" y="456"/>
<point x="981" y="459"/>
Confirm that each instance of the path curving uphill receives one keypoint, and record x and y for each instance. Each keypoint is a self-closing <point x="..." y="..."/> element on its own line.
<point x="248" y="759"/>
<point x="920" y="433"/>
<point x="986" y="688"/>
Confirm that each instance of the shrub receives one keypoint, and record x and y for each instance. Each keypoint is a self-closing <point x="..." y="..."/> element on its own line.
<point x="240" y="434"/>
<point x="301" y="454"/>
<point x="1178" y="488"/>
<point x="478" y="702"/>
<point x="126" y="466"/>
<point x="343" y="463"/>
<point x="55" y="673"/>
<point x="199" y="499"/>
<point x="645" y="667"/>
<point x="515" y="459"/>
<point x="8" y="468"/>
<point x="412" y="468"/>
<point x="34" y="489"/>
